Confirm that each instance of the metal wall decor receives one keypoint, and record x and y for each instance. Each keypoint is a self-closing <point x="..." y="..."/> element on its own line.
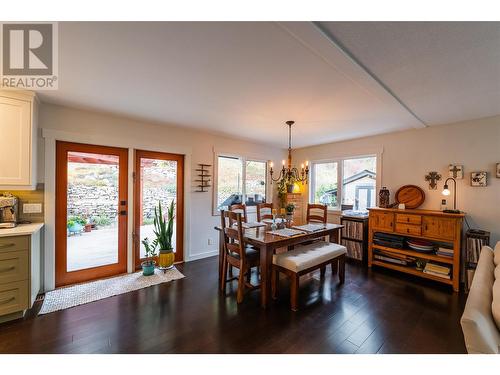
<point x="203" y="179"/>
<point x="433" y="178"/>
<point x="456" y="171"/>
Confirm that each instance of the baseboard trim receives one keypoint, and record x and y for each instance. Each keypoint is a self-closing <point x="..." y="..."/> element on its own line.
<point x="205" y="254"/>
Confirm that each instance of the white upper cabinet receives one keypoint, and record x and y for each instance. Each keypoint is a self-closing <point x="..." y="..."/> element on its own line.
<point x="18" y="139"/>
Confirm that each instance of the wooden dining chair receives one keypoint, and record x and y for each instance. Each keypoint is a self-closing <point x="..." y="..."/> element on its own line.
<point x="317" y="213"/>
<point x="237" y="254"/>
<point x="264" y="206"/>
<point x="240" y="208"/>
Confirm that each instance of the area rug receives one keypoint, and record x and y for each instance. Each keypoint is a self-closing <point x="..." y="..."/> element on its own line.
<point x="80" y="294"/>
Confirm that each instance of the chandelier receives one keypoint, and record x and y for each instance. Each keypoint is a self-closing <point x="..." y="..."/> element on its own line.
<point x="290" y="175"/>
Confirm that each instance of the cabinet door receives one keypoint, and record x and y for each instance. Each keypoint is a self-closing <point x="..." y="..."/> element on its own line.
<point x="382" y="220"/>
<point x="15" y="142"/>
<point x="438" y="227"/>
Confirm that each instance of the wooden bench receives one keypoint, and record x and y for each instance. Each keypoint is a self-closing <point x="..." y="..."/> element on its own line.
<point x="305" y="259"/>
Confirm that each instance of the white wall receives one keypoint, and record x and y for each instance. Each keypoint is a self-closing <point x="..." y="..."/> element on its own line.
<point x="408" y="156"/>
<point x="70" y="124"/>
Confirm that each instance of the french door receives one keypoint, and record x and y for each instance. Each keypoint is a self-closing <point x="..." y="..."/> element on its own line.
<point x="91" y="212"/>
<point x="158" y="178"/>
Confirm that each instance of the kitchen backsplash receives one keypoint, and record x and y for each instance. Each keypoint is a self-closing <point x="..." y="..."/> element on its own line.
<point x="29" y="196"/>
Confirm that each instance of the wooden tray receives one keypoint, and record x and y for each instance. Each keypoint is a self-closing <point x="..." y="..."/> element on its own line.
<point x="411" y="195"/>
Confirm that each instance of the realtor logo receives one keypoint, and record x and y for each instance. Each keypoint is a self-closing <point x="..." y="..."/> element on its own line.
<point x="29" y="56"/>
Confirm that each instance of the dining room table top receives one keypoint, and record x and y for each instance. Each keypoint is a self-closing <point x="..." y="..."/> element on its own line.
<point x="262" y="236"/>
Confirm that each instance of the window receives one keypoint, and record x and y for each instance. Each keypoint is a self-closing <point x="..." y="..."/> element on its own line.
<point x="255" y="182"/>
<point x="240" y="180"/>
<point x="358" y="187"/>
<point x="357" y="191"/>
<point x="324" y="183"/>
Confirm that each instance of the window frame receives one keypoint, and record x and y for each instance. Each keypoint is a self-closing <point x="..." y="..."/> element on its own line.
<point x="340" y="173"/>
<point x="244" y="159"/>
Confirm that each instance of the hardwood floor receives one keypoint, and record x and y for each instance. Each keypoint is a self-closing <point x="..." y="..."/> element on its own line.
<point x="373" y="312"/>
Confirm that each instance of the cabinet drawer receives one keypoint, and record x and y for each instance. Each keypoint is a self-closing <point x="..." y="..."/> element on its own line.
<point x="14" y="266"/>
<point x="415" y="230"/>
<point x="382" y="220"/>
<point x="13" y="297"/>
<point x="14" y="243"/>
<point x="408" y="219"/>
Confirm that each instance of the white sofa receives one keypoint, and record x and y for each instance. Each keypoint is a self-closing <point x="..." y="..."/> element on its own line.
<point x="482" y="336"/>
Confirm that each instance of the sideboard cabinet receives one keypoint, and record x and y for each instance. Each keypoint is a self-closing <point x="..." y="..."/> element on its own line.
<point x="442" y="229"/>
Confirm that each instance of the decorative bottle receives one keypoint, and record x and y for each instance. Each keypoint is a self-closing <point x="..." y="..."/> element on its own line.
<point x="444" y="206"/>
<point x="383" y="197"/>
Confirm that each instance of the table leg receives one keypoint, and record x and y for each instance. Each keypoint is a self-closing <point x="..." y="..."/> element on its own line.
<point x="266" y="259"/>
<point x="334" y="236"/>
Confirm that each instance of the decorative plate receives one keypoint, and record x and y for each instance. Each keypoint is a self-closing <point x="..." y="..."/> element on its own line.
<point x="411" y="195"/>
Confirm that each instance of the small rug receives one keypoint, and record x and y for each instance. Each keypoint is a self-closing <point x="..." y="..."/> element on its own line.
<point x="80" y="294"/>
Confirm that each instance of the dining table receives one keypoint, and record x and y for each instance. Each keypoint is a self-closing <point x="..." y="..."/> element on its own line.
<point x="267" y="243"/>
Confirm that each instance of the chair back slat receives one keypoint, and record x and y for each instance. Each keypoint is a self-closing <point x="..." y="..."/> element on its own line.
<point x="264" y="211"/>
<point x="317" y="213"/>
<point x="233" y="234"/>
<point x="241" y="209"/>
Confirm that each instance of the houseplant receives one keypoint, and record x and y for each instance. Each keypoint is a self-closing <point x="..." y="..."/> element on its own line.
<point x="290" y="207"/>
<point x="75" y="224"/>
<point x="148" y="265"/>
<point x="164" y="229"/>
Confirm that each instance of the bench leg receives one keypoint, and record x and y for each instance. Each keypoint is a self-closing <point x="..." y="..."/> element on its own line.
<point x="322" y="272"/>
<point x="294" y="292"/>
<point x="335" y="264"/>
<point x="342" y="269"/>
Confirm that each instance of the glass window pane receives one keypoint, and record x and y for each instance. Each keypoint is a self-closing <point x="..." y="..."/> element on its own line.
<point x="229" y="181"/>
<point x="255" y="183"/>
<point x="358" y="186"/>
<point x="324" y="177"/>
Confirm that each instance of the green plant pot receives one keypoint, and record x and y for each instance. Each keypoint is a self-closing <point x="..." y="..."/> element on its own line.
<point x="148" y="268"/>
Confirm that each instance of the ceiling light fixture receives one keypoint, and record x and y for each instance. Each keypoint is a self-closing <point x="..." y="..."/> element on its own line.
<point x="290" y="174"/>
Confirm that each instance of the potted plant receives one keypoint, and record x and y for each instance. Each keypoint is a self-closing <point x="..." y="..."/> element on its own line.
<point x="290" y="207"/>
<point x="148" y="265"/>
<point x="164" y="229"/>
<point x="75" y="224"/>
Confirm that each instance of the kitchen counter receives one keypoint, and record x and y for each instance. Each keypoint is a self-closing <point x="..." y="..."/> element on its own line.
<point x="21" y="230"/>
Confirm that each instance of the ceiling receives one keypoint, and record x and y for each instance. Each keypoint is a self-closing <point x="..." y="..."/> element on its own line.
<point x="337" y="80"/>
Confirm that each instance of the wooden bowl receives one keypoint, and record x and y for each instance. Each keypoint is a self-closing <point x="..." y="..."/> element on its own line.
<point x="411" y="195"/>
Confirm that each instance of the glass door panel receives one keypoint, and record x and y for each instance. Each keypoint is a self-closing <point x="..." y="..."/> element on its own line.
<point x="158" y="185"/>
<point x="91" y="212"/>
<point x="159" y="179"/>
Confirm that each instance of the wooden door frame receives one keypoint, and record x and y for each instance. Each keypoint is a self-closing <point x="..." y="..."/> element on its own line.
<point x="179" y="209"/>
<point x="62" y="277"/>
